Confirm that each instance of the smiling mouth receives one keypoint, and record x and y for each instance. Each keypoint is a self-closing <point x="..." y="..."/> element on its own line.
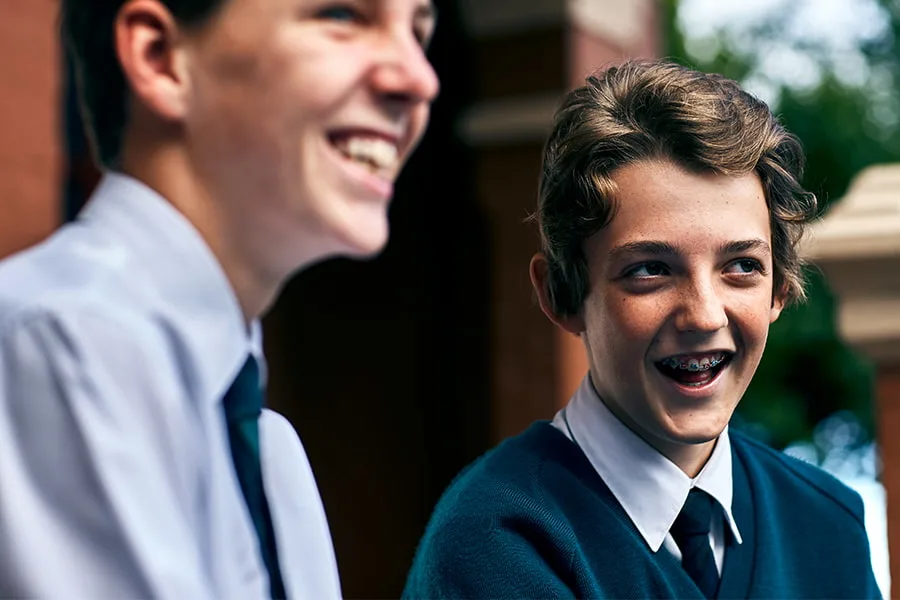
<point x="378" y="155"/>
<point x="694" y="370"/>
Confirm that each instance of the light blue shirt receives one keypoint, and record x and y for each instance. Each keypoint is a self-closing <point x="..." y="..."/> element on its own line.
<point x="119" y="335"/>
<point x="650" y="487"/>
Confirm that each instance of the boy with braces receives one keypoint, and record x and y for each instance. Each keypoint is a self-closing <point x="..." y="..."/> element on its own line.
<point x="670" y="210"/>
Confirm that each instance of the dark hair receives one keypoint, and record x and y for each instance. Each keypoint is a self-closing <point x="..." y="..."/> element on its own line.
<point x="643" y="110"/>
<point x="87" y="34"/>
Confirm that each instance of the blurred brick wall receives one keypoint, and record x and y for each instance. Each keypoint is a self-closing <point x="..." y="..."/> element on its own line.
<point x="30" y="148"/>
<point x="525" y="55"/>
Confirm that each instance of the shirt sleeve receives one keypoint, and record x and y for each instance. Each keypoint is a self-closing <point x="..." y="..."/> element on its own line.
<point x="95" y="497"/>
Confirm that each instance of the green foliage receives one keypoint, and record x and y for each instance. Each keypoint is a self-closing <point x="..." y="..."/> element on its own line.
<point x="808" y="373"/>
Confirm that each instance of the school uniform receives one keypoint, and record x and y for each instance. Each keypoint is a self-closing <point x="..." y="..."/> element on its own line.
<point x="582" y="507"/>
<point x="119" y="338"/>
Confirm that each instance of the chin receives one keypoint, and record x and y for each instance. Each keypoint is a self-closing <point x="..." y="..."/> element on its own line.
<point x="366" y="240"/>
<point x="695" y="438"/>
<point x="693" y="433"/>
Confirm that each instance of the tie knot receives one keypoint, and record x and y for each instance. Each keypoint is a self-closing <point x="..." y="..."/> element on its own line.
<point x="695" y="516"/>
<point x="244" y="398"/>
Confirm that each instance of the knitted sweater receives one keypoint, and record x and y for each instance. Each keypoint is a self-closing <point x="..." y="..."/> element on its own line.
<point x="533" y="519"/>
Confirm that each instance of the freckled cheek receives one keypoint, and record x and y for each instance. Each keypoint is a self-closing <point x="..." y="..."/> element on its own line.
<point x="752" y="320"/>
<point x="637" y="319"/>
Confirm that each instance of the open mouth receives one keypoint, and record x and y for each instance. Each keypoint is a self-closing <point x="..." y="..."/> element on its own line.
<point x="695" y="370"/>
<point x="376" y="154"/>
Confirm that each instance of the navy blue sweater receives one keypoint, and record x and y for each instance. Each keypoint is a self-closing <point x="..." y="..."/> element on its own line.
<point x="533" y="519"/>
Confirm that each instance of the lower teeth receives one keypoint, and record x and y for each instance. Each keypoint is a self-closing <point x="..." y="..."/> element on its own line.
<point x="365" y="163"/>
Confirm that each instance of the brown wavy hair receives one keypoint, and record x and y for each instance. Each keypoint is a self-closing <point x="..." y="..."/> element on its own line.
<point x="645" y="110"/>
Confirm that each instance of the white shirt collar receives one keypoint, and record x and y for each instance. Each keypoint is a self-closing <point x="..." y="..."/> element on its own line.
<point x="650" y="487"/>
<point x="200" y="304"/>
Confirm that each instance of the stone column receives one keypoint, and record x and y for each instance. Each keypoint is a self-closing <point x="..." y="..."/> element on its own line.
<point x="527" y="53"/>
<point x="857" y="246"/>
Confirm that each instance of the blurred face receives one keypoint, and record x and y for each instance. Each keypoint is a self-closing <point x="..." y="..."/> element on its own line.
<point x="679" y="305"/>
<point x="301" y="115"/>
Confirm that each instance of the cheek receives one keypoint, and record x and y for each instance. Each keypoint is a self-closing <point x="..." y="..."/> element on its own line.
<point x="265" y="87"/>
<point x="752" y="320"/>
<point x="229" y="111"/>
<point x="635" y="320"/>
<point x="252" y="121"/>
<point x="325" y="77"/>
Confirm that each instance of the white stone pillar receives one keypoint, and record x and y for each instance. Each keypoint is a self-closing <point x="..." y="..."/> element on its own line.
<point x="857" y="246"/>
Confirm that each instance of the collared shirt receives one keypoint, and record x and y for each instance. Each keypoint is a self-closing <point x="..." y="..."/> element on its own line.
<point x="650" y="487"/>
<point x="119" y="336"/>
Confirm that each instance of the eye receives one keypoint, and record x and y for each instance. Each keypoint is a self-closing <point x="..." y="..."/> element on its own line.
<point x="341" y="12"/>
<point x="423" y="36"/>
<point x="745" y="266"/>
<point x="648" y="269"/>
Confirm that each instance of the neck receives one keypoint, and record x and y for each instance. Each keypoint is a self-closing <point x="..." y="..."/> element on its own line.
<point x="689" y="457"/>
<point x="166" y="169"/>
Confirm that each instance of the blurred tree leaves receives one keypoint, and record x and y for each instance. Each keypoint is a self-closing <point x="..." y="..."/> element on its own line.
<point x="808" y="373"/>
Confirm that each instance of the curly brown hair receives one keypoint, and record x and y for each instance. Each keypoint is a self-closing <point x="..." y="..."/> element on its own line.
<point x="645" y="110"/>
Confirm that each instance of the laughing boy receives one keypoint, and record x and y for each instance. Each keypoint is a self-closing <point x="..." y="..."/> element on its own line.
<point x="670" y="210"/>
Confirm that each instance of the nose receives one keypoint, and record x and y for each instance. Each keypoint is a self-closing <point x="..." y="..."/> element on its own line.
<point x="404" y="73"/>
<point x="701" y="309"/>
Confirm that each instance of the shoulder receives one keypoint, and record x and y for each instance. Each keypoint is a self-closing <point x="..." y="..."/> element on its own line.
<point x="528" y="465"/>
<point x="105" y="387"/>
<point x="85" y="292"/>
<point x="514" y="489"/>
<point x="85" y="331"/>
<point x="103" y="358"/>
<point x="799" y="482"/>
<point x="71" y="273"/>
<point x="508" y="512"/>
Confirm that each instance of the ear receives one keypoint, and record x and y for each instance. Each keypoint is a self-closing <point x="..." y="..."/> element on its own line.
<point x="779" y="299"/>
<point x="539" y="270"/>
<point x="146" y="40"/>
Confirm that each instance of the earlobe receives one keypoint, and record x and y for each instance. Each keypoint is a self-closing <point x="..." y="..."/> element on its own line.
<point x="146" y="36"/>
<point x="538" y="270"/>
<point x="778" y="302"/>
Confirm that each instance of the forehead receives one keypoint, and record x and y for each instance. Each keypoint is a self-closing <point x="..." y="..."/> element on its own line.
<point x="661" y="201"/>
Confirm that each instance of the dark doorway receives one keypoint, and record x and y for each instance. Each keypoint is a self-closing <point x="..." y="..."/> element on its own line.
<point x="382" y="365"/>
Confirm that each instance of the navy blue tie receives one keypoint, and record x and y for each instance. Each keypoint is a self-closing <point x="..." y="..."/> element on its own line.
<point x="243" y="404"/>
<point x="691" y="533"/>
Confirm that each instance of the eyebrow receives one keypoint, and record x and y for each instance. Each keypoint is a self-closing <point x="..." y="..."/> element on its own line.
<point x="646" y="248"/>
<point x="657" y="248"/>
<point x="745" y="245"/>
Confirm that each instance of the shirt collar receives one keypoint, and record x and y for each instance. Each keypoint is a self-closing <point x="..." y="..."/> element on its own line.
<point x="650" y="487"/>
<point x="196" y="302"/>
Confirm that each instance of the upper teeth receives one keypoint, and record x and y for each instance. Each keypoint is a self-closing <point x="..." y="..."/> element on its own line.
<point x="378" y="152"/>
<point x="695" y="364"/>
